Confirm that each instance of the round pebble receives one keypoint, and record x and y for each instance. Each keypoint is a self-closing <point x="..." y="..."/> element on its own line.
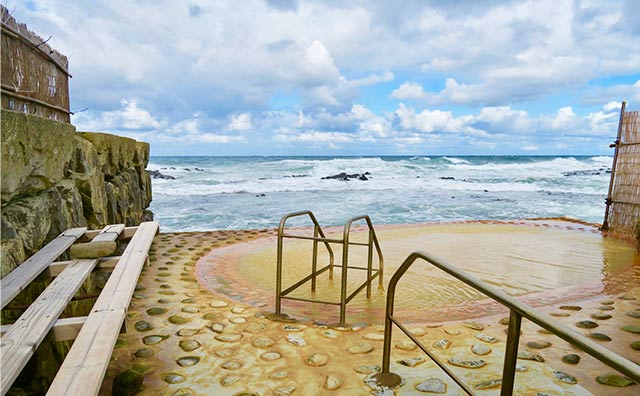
<point x="600" y="316"/>
<point x="330" y="334"/>
<point x="411" y="362"/>
<point x="442" y="344"/>
<point x="538" y="344"/>
<point x="570" y="307"/>
<point x="156" y="311"/>
<point x="216" y="327"/>
<point x="332" y="382"/>
<point x="271" y="356"/>
<point x="631" y="329"/>
<point x="296" y="339"/>
<point x="374" y="337"/>
<point x="218" y="304"/>
<point x="263" y="342"/>
<point x="417" y="331"/>
<point x="190" y="310"/>
<point x="229" y="380"/>
<point x="284" y="390"/>
<point x="361" y="347"/>
<point x="466" y="362"/>
<point x="432" y="385"/>
<point x="238" y="320"/>
<point x="187" y="361"/>
<point x="564" y="377"/>
<point x="142" y="325"/>
<point x="614" y="380"/>
<point x="586" y="324"/>
<point x="634" y="314"/>
<point x="473" y="325"/>
<point x="143" y="353"/>
<point x="187" y="332"/>
<point x="406" y="345"/>
<point x="317" y="359"/>
<point x="231" y="365"/>
<point x="452" y="331"/>
<point x="230" y="337"/>
<point x="368" y="369"/>
<point x="153" y="339"/>
<point x="600" y="337"/>
<point x="173" y="378"/>
<point x="189" y="345"/>
<point x="176" y="319"/>
<point x="605" y="308"/>
<point x="480" y="349"/>
<point x="635" y="345"/>
<point x="281" y="374"/>
<point x="571" y="358"/>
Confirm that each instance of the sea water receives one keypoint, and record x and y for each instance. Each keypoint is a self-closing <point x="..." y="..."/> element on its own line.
<point x="212" y="193"/>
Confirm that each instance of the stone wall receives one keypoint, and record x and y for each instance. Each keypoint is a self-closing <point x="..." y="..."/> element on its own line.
<point x="54" y="178"/>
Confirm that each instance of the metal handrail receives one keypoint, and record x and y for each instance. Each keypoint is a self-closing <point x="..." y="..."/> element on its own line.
<point x="517" y="311"/>
<point x="319" y="236"/>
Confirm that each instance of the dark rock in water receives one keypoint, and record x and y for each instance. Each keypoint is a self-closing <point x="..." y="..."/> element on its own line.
<point x="199" y="170"/>
<point x="260" y="195"/>
<point x="447" y="178"/>
<point x="187" y="169"/>
<point x="614" y="380"/>
<point x="157" y="175"/>
<point x="571" y="358"/>
<point x="173" y="168"/>
<point x="127" y="383"/>
<point x="588" y="172"/>
<point x="346" y="177"/>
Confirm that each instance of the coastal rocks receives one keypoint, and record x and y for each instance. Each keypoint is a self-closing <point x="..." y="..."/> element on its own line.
<point x="343" y="176"/>
<point x="486" y="338"/>
<point x="526" y="355"/>
<point x="588" y="172"/>
<point x="157" y="175"/>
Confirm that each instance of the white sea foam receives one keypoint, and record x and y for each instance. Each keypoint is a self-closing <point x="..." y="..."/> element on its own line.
<point x="225" y="193"/>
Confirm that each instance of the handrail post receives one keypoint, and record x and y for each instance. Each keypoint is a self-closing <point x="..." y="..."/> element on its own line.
<point x="343" y="280"/>
<point x="605" y="222"/>
<point x="369" y="263"/>
<point x="279" y="272"/>
<point x="511" y="353"/>
<point x="314" y="260"/>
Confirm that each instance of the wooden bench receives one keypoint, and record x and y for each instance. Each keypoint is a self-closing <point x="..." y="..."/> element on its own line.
<point x="95" y="335"/>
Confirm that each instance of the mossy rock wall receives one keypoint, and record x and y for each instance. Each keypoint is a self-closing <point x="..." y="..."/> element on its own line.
<point x="54" y="178"/>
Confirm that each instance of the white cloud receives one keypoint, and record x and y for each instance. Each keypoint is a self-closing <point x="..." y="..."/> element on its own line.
<point x="564" y="118"/>
<point x="409" y="90"/>
<point x="240" y="122"/>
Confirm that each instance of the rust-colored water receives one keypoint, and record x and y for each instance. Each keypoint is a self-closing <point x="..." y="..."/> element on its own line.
<point x="541" y="264"/>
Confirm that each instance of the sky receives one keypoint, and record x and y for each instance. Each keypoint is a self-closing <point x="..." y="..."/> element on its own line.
<point x="355" y="77"/>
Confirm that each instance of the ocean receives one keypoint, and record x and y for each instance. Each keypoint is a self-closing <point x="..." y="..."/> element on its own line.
<point x="215" y="193"/>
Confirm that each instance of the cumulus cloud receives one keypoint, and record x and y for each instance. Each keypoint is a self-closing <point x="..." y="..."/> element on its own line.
<point x="409" y="90"/>
<point x="470" y="77"/>
<point x="240" y="122"/>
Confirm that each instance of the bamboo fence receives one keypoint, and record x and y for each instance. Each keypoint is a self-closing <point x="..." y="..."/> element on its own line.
<point x="624" y="199"/>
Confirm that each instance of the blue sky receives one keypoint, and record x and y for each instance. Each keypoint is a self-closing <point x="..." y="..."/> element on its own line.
<point x="350" y="77"/>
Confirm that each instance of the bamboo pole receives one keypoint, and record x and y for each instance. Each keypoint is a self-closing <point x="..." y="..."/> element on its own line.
<point x="605" y="223"/>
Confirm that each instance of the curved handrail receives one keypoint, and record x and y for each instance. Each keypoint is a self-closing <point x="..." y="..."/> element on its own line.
<point x="286" y="217"/>
<point x="518" y="310"/>
<point x="347" y="230"/>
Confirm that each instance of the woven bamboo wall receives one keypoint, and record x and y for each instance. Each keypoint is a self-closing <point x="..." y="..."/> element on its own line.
<point x="625" y="198"/>
<point x="35" y="77"/>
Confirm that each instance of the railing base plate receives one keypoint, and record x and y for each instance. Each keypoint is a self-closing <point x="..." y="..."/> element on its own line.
<point x="384" y="381"/>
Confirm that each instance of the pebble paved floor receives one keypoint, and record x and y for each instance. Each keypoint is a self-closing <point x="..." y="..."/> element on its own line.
<point x="188" y="341"/>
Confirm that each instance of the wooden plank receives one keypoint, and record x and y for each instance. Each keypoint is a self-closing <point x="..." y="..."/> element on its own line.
<point x="63" y="330"/>
<point x="109" y="233"/>
<point x="26" y="334"/>
<point x="126" y="234"/>
<point x="12" y="284"/>
<point x="57" y="267"/>
<point x="83" y="369"/>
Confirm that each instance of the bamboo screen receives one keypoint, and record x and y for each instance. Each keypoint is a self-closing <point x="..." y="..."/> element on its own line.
<point x="625" y="197"/>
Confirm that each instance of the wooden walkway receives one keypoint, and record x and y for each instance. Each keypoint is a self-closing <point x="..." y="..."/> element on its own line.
<point x="95" y="335"/>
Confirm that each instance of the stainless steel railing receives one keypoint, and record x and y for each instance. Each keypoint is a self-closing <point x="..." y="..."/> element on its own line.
<point x="518" y="310"/>
<point x="319" y="236"/>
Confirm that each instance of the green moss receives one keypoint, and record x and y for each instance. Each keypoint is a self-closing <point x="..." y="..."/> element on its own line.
<point x="127" y="383"/>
